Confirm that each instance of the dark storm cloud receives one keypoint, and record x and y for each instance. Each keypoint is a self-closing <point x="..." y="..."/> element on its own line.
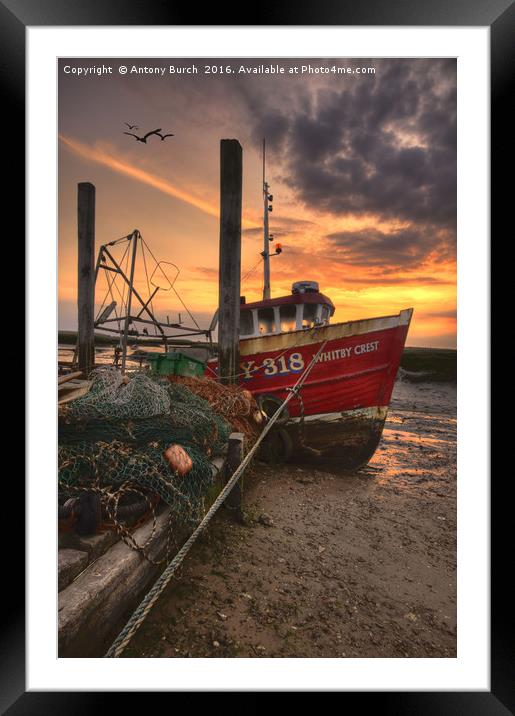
<point x="401" y="249"/>
<point x="383" y="144"/>
<point x="273" y="125"/>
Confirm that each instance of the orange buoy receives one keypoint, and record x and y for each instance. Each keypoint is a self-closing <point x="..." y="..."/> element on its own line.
<point x="178" y="459"/>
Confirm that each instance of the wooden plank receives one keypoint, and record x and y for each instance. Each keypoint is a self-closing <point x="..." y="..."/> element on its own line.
<point x="73" y="385"/>
<point x="65" y="396"/>
<point x="95" y="606"/>
<point x="70" y="563"/>
<point x="69" y="376"/>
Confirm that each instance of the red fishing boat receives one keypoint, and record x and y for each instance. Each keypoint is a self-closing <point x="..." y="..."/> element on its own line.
<point x="339" y="413"/>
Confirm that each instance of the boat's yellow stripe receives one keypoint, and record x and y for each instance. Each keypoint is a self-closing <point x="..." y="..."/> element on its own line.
<point x="295" y="339"/>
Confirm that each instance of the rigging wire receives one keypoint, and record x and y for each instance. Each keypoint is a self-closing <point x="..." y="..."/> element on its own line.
<point x="110" y="284"/>
<point x="125" y="256"/>
<point x="174" y="290"/>
<point x="125" y="307"/>
<point x="109" y="287"/>
<point x="253" y="268"/>
<point x="148" y="282"/>
<point x="123" y="294"/>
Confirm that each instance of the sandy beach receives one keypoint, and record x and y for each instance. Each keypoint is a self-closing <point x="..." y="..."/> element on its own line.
<point x="330" y="564"/>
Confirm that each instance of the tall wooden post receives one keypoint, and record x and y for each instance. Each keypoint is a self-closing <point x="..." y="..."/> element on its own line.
<point x="230" y="260"/>
<point x="86" y="276"/>
<point x="234" y="458"/>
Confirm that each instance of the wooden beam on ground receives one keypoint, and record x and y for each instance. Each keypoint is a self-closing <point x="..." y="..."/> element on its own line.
<point x="96" y="605"/>
<point x="230" y="260"/>
<point x="69" y="376"/>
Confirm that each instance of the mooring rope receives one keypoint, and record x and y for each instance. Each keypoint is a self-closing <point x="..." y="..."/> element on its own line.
<point x="139" y="615"/>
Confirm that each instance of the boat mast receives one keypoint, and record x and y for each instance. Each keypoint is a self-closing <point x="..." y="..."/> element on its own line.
<point x="267" y="198"/>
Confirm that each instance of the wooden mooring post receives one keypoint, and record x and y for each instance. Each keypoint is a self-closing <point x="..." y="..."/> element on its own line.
<point x="86" y="277"/>
<point x="230" y="260"/>
<point x="234" y="458"/>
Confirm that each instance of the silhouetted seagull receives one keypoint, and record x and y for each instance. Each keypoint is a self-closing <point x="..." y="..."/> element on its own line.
<point x="131" y="126"/>
<point x="144" y="138"/>
<point x="164" y="136"/>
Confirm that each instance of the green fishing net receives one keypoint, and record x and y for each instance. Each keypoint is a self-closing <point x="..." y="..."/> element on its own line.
<point x="118" y="431"/>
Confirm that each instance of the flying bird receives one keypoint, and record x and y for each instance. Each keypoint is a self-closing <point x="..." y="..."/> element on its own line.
<point x="144" y="138"/>
<point x="164" y="136"/>
<point x="131" y="126"/>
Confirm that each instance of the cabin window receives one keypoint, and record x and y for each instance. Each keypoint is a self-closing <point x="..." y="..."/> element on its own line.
<point x="326" y="313"/>
<point x="246" y="323"/>
<point x="266" y="320"/>
<point x="288" y="315"/>
<point x="310" y="314"/>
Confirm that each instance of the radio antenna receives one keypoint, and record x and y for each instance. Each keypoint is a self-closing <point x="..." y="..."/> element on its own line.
<point x="266" y="236"/>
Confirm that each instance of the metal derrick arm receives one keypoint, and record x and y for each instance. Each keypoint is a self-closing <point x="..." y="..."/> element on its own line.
<point x="107" y="262"/>
<point x="151" y="323"/>
<point x="184" y="331"/>
<point x="131" y="287"/>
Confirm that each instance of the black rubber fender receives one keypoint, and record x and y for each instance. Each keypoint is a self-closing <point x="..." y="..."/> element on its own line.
<point x="268" y="404"/>
<point x="277" y="447"/>
<point x="89" y="514"/>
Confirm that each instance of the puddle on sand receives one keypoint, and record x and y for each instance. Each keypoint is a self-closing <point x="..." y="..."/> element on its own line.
<point x="415" y="439"/>
<point x="416" y="447"/>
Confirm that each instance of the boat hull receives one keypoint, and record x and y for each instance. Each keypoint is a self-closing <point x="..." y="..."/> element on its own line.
<point x="347" y="439"/>
<point x="339" y="414"/>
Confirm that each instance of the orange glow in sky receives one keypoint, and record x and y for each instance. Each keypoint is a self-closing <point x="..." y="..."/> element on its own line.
<point x="116" y="164"/>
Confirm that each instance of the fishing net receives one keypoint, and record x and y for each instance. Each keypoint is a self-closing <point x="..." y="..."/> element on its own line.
<point x="116" y="434"/>
<point x="232" y="403"/>
<point x="115" y="396"/>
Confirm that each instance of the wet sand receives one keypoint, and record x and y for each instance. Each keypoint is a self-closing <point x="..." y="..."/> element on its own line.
<point x="329" y="564"/>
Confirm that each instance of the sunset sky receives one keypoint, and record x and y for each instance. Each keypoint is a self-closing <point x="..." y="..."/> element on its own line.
<point x="362" y="168"/>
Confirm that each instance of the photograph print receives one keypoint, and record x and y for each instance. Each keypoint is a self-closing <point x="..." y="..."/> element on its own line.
<point x="257" y="358"/>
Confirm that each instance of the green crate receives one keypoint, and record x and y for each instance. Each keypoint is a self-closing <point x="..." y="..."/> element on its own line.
<point x="175" y="364"/>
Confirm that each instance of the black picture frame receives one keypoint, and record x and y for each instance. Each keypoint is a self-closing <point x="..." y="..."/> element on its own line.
<point x="499" y="15"/>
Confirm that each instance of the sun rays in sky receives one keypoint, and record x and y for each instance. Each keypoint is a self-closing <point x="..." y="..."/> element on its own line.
<point x="103" y="157"/>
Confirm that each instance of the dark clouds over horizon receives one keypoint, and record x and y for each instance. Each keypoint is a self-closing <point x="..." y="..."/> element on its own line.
<point x="371" y="247"/>
<point x="383" y="146"/>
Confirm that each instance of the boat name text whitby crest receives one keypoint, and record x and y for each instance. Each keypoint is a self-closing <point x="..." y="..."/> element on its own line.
<point x="295" y="362"/>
